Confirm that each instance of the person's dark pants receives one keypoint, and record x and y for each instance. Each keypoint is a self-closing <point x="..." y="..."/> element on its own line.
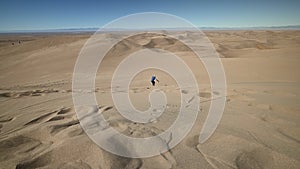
<point x="153" y="83"/>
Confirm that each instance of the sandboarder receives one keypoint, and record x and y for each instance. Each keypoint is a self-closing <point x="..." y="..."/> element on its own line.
<point x="153" y="78"/>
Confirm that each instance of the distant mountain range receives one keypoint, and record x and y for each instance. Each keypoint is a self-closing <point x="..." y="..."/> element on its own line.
<point x="82" y="30"/>
<point x="289" y="27"/>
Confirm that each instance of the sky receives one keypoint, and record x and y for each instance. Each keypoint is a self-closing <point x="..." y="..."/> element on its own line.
<point x="59" y="14"/>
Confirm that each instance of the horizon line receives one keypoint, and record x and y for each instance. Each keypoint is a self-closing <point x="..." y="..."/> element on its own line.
<point x="94" y="29"/>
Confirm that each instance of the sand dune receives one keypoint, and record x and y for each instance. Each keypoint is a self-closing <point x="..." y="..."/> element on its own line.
<point x="259" y="129"/>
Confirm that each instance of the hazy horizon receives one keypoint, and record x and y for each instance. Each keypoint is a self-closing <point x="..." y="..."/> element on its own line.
<point x="91" y="29"/>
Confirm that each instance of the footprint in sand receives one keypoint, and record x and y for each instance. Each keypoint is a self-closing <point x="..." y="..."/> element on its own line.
<point x="192" y="141"/>
<point x="76" y="132"/>
<point x="60" y="115"/>
<point x="51" y="116"/>
<point x="59" y="127"/>
<point x="184" y="91"/>
<point x="75" y="165"/>
<point x="38" y="162"/>
<point x="5" y="120"/>
<point x="257" y="159"/>
<point x="206" y="95"/>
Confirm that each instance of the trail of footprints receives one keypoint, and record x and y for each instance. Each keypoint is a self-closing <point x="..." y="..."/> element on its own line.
<point x="12" y="93"/>
<point x="41" y="92"/>
<point x="63" y="120"/>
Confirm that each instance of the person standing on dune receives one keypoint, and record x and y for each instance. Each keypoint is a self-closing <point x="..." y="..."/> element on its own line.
<point x="153" y="78"/>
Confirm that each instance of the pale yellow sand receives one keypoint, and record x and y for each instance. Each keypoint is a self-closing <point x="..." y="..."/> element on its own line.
<point x="260" y="127"/>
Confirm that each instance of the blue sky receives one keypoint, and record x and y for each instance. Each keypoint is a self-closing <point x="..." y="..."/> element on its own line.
<point x="54" y="14"/>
